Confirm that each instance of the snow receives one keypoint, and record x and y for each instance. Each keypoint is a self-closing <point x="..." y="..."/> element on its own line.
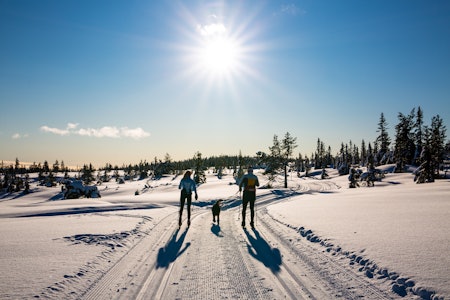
<point x="402" y="226"/>
<point x="49" y="245"/>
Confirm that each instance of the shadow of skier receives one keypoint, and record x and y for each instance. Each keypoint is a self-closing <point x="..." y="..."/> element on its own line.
<point x="170" y="252"/>
<point x="261" y="250"/>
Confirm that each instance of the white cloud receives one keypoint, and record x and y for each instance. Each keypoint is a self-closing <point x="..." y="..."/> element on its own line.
<point x="55" y="130"/>
<point x="136" y="133"/>
<point x="105" y="131"/>
<point x="17" y="136"/>
<point x="213" y="29"/>
<point x="72" y="125"/>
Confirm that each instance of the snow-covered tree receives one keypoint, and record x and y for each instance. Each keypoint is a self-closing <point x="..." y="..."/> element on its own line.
<point x="274" y="160"/>
<point x="87" y="174"/>
<point x="288" y="145"/>
<point x="404" y="141"/>
<point x="363" y="153"/>
<point x="383" y="140"/>
<point x="56" y="166"/>
<point x="199" y="173"/>
<point x="436" y="136"/>
<point x="320" y="154"/>
<point x="418" y="134"/>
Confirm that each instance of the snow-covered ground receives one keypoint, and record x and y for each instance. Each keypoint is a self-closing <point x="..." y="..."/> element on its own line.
<point x="394" y="236"/>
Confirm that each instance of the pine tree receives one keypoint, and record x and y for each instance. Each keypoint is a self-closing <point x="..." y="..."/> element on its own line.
<point x="329" y="157"/>
<point x="240" y="168"/>
<point x="199" y="173"/>
<point x="437" y="143"/>
<point x="355" y="155"/>
<point x="56" y="166"/>
<point x="404" y="141"/>
<point x="363" y="153"/>
<point x="287" y="147"/>
<point x="46" y="167"/>
<point x="300" y="164"/>
<point x="320" y="154"/>
<point x="87" y="174"/>
<point x="274" y="158"/>
<point x="418" y="135"/>
<point x="370" y="157"/>
<point x="382" y="141"/>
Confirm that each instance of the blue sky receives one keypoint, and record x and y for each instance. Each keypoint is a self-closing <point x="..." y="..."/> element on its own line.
<point x="124" y="81"/>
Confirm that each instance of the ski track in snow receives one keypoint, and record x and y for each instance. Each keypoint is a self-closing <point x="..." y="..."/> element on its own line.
<point x="208" y="261"/>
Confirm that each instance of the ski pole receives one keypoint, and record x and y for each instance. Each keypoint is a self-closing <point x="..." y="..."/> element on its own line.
<point x="256" y="219"/>
<point x="239" y="212"/>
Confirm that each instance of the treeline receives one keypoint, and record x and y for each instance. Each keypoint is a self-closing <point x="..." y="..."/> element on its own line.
<point x="16" y="178"/>
<point x="414" y="143"/>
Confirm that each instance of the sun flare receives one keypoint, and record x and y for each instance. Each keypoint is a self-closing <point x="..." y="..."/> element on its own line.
<point x="219" y="49"/>
<point x="217" y="52"/>
<point x="219" y="55"/>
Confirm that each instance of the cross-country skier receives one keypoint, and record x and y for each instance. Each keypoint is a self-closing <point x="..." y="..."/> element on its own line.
<point x="249" y="181"/>
<point x="187" y="186"/>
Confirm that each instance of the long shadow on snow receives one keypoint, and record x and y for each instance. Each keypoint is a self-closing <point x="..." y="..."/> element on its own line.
<point x="169" y="253"/>
<point x="261" y="250"/>
<point x="86" y="210"/>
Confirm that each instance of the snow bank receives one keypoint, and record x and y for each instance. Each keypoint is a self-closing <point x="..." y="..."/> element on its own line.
<point x="397" y="229"/>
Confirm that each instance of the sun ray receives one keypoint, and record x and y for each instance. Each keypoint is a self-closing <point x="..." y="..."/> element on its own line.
<point x="217" y="48"/>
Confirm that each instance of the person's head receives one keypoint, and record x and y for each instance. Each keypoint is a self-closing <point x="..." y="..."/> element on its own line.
<point x="187" y="174"/>
<point x="250" y="170"/>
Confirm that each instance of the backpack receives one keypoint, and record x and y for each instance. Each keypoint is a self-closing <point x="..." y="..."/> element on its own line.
<point x="249" y="184"/>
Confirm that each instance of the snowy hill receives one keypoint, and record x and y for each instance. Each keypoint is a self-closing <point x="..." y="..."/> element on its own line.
<point x="317" y="239"/>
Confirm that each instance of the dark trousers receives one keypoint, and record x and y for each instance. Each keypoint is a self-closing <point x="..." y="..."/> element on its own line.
<point x="183" y="198"/>
<point x="248" y="197"/>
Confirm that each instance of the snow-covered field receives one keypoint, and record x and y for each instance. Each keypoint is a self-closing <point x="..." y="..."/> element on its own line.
<point x="388" y="239"/>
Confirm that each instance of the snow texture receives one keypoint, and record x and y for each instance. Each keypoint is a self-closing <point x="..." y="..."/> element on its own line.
<point x="317" y="239"/>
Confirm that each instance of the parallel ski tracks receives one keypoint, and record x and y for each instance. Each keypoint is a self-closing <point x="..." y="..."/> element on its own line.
<point x="133" y="272"/>
<point x="228" y="267"/>
<point x="313" y="270"/>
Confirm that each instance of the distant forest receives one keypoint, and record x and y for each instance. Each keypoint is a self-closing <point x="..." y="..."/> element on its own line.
<point x="414" y="144"/>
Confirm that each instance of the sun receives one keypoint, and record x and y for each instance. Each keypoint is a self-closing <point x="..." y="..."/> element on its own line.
<point x="219" y="55"/>
<point x="218" y="52"/>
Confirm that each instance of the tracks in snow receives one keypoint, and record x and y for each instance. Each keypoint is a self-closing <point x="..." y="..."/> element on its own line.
<point x="207" y="261"/>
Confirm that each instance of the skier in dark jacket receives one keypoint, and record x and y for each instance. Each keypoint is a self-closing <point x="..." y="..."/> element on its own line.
<point x="187" y="186"/>
<point x="249" y="182"/>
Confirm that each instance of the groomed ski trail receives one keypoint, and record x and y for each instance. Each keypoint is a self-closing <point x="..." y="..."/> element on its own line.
<point x="210" y="261"/>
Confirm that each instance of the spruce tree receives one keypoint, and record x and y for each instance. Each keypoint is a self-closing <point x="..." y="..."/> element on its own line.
<point x="56" y="167"/>
<point x="199" y="175"/>
<point x="437" y="143"/>
<point x="363" y="153"/>
<point x="288" y="146"/>
<point x="320" y="154"/>
<point x="275" y="155"/>
<point x="240" y="168"/>
<point x="404" y="141"/>
<point x="383" y="140"/>
<point x="418" y="134"/>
